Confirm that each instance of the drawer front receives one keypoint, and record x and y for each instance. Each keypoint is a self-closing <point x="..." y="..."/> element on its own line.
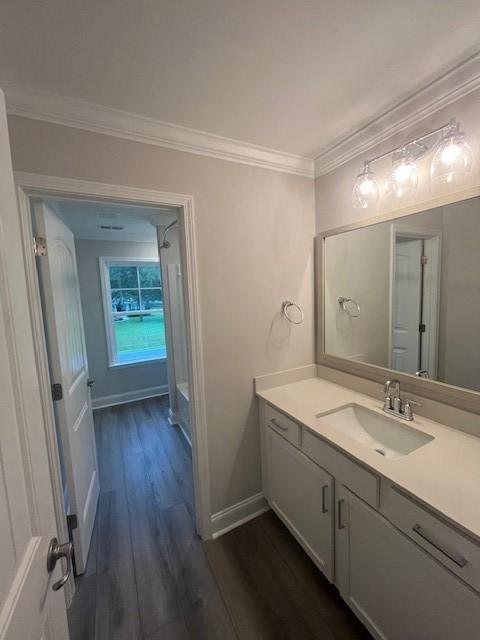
<point x="448" y="545"/>
<point x="283" y="425"/>
<point x="359" y="480"/>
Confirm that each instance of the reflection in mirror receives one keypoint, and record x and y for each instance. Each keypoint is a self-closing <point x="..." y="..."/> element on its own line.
<point x="405" y="294"/>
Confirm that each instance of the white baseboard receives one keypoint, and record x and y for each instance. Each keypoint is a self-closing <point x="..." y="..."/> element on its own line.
<point x="173" y="417"/>
<point x="238" y="514"/>
<point x="185" y="433"/>
<point x="129" y="396"/>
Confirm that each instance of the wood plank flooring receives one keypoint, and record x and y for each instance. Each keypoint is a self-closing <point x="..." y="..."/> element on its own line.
<point x="150" y="577"/>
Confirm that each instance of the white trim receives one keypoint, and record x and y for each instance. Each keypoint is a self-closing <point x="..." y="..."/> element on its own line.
<point x="129" y="396"/>
<point x="122" y="365"/>
<point x="185" y="433"/>
<point x="239" y="513"/>
<point x="173" y="417"/>
<point x="453" y="84"/>
<point x="71" y="112"/>
<point x="450" y="86"/>
<point x="35" y="184"/>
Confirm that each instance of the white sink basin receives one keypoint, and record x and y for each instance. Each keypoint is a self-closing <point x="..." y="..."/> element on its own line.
<point x="387" y="436"/>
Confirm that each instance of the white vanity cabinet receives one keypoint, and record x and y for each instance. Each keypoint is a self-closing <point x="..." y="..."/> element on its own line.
<point x="394" y="563"/>
<point x="301" y="493"/>
<point x="393" y="586"/>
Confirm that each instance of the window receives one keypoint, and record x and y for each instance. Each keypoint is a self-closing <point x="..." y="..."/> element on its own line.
<point x="133" y="302"/>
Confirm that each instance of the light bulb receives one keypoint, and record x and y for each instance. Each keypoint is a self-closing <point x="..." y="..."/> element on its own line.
<point x="453" y="156"/>
<point x="404" y="174"/>
<point x="365" y="189"/>
<point x="367" y="186"/>
<point x="450" y="153"/>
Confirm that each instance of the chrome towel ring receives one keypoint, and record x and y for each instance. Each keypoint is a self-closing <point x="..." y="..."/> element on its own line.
<point x="354" y="310"/>
<point x="288" y="304"/>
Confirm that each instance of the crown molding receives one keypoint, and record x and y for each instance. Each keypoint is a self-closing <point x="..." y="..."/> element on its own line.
<point x="49" y="107"/>
<point x="449" y="87"/>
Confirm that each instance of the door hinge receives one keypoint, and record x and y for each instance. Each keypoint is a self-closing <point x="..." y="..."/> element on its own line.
<point x="40" y="246"/>
<point x="422" y="328"/>
<point x="72" y="521"/>
<point x="57" y="391"/>
<point x="423" y="259"/>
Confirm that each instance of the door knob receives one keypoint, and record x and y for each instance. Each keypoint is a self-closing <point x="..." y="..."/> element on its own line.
<point x="55" y="552"/>
<point x="90" y="382"/>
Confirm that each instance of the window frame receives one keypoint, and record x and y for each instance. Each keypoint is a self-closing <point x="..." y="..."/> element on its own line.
<point x="105" y="263"/>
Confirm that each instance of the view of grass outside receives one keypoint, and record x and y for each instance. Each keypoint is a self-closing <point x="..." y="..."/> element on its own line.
<point x="137" y="307"/>
<point x="136" y="337"/>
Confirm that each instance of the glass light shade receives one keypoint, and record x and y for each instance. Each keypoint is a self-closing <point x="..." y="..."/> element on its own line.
<point x="365" y="189"/>
<point x="453" y="157"/>
<point x="404" y="174"/>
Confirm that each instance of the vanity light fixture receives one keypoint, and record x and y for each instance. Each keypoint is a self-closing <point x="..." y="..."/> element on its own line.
<point x="404" y="173"/>
<point x="452" y="160"/>
<point x="453" y="157"/>
<point x="365" y="190"/>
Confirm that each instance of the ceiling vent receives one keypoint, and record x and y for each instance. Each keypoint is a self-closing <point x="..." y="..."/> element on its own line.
<point x="110" y="227"/>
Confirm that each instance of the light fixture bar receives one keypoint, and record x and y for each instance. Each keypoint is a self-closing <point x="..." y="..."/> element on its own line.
<point x="444" y="127"/>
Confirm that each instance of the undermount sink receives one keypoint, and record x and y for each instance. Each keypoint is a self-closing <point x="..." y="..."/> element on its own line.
<point x="387" y="436"/>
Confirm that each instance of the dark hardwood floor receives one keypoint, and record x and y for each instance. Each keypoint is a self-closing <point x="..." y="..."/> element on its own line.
<point x="149" y="576"/>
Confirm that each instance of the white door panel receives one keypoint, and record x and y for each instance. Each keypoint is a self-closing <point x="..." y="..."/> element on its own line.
<point x="69" y="367"/>
<point x="29" y="609"/>
<point x="406" y="306"/>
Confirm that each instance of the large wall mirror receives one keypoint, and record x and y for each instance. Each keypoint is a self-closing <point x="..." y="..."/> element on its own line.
<point x="404" y="294"/>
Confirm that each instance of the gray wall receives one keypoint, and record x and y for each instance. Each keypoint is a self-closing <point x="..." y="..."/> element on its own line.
<point x="255" y="232"/>
<point x="120" y="379"/>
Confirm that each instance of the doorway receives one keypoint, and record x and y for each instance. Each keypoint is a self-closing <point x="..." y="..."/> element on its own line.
<point x="414" y="300"/>
<point x="103" y="310"/>
<point x="36" y="187"/>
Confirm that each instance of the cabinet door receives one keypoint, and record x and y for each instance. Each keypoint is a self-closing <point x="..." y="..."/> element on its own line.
<point x="393" y="586"/>
<point x="300" y="492"/>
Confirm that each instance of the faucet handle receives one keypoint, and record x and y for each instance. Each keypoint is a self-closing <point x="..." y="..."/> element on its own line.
<point x="407" y="408"/>
<point x="414" y="402"/>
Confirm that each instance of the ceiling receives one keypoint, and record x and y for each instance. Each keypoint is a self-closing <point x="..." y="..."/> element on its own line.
<point x="86" y="219"/>
<point x="291" y="75"/>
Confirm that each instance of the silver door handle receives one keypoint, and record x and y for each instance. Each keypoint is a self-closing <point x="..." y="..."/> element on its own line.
<point x="431" y="539"/>
<point x="90" y="382"/>
<point x="278" y="425"/>
<point x="55" y="552"/>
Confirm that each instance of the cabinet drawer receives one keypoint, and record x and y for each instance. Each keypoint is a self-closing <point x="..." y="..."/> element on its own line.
<point x="450" y="546"/>
<point x="283" y="425"/>
<point x="358" y="479"/>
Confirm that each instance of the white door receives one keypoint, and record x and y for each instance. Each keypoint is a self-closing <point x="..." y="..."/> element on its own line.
<point x="29" y="608"/>
<point x="407" y="289"/>
<point x="68" y="366"/>
<point x="300" y="492"/>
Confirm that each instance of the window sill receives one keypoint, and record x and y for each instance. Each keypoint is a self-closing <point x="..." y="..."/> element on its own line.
<point x="135" y="363"/>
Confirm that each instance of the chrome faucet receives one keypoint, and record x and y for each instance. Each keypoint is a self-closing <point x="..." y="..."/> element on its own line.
<point x="394" y="404"/>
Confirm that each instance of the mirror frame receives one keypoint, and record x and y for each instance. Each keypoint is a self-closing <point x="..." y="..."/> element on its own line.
<point x="466" y="399"/>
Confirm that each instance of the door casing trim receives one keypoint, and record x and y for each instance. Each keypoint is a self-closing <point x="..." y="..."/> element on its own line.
<point x="30" y="185"/>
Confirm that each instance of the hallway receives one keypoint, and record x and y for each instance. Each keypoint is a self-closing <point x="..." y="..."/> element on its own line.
<point x="148" y="577"/>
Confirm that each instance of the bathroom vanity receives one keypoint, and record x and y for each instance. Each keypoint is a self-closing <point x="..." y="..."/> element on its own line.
<point x="389" y="511"/>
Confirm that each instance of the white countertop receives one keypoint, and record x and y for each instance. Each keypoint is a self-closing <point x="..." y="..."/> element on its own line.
<point x="444" y="474"/>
